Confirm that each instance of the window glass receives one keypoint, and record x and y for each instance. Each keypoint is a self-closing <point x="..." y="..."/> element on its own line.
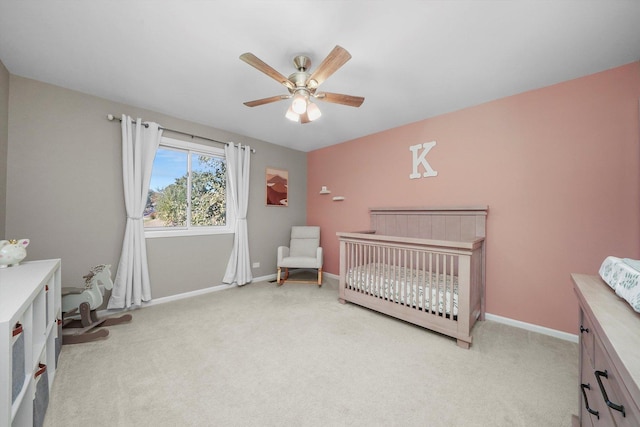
<point x="167" y="197"/>
<point x="208" y="190"/>
<point x="187" y="192"/>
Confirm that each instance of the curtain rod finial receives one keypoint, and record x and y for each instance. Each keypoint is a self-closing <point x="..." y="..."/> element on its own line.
<point x="110" y="117"/>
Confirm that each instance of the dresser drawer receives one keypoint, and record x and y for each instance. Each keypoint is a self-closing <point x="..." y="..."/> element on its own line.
<point x="609" y="386"/>
<point x="586" y="338"/>
<point x="592" y="408"/>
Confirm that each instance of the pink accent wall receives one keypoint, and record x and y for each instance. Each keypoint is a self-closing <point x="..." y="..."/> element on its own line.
<point x="559" y="168"/>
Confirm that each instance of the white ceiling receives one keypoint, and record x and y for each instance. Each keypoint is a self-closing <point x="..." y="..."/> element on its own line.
<point x="411" y="60"/>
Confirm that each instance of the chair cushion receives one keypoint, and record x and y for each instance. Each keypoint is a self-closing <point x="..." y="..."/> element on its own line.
<point x="303" y="248"/>
<point x="305" y="232"/>
<point x="300" y="262"/>
<point x="305" y="241"/>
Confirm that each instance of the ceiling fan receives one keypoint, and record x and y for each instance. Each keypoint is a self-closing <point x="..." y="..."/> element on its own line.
<point x="303" y="85"/>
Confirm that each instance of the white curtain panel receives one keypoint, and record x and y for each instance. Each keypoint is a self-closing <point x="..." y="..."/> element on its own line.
<point x="131" y="285"/>
<point x="239" y="265"/>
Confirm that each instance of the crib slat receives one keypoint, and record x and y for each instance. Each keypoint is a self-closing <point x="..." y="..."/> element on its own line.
<point x="449" y="284"/>
<point x="405" y="278"/>
<point x="349" y="269"/>
<point x="387" y="270"/>
<point x="454" y="282"/>
<point x="392" y="285"/>
<point x="409" y="278"/>
<point x="366" y="267"/>
<point x="423" y="284"/>
<point x="442" y="284"/>
<point x="416" y="276"/>
<point x="380" y="265"/>
<point x="437" y="284"/>
<point x="392" y="272"/>
<point x="374" y="263"/>
<point x="370" y="270"/>
<point x="430" y="282"/>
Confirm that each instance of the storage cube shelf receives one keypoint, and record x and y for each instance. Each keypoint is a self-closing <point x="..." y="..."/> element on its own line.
<point x="29" y="295"/>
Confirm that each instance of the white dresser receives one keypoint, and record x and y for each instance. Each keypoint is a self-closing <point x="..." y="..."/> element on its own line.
<point x="29" y="317"/>
<point x="609" y="385"/>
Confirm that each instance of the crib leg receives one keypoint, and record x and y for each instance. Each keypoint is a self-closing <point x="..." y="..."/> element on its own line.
<point x="341" y="301"/>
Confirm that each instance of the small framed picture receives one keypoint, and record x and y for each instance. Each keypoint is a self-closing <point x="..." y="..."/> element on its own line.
<point x="277" y="187"/>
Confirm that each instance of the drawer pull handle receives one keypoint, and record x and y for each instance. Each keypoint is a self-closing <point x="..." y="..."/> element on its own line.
<point x="586" y="401"/>
<point x="609" y="403"/>
<point x="583" y="329"/>
<point x="17" y="330"/>
<point x="41" y="370"/>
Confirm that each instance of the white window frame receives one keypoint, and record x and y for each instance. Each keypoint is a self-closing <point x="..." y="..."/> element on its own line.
<point x="206" y="150"/>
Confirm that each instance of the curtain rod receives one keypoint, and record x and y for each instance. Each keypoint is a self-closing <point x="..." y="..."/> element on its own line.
<point x="111" y="117"/>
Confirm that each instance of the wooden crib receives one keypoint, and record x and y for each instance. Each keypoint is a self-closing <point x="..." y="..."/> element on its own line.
<point x="425" y="266"/>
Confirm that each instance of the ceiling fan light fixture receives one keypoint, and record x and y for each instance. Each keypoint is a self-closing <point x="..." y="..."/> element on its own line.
<point x="313" y="112"/>
<point x="291" y="115"/>
<point x="299" y="104"/>
<point x="302" y="85"/>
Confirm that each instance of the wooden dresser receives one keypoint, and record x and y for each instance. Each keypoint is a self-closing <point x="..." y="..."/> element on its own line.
<point x="609" y="385"/>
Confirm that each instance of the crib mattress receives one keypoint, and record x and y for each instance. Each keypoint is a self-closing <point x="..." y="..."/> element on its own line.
<point x="393" y="282"/>
<point x="623" y="276"/>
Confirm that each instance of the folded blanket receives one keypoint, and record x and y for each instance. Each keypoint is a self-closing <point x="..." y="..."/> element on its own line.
<point x="634" y="263"/>
<point x="610" y="271"/>
<point x="623" y="276"/>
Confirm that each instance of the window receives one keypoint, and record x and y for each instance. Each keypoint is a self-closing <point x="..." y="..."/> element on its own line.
<point x="187" y="192"/>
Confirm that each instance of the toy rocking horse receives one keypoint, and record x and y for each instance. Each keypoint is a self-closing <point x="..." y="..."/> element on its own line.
<point x="86" y="301"/>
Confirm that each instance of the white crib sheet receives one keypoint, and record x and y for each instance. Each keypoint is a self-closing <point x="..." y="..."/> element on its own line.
<point x="383" y="280"/>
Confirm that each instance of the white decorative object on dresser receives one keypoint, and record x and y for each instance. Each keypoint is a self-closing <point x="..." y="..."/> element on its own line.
<point x="609" y="356"/>
<point x="29" y="344"/>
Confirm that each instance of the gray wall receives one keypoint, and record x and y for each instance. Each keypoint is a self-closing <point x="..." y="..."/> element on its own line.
<point x="64" y="191"/>
<point x="4" y="144"/>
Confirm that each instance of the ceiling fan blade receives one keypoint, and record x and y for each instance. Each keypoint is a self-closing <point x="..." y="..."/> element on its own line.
<point x="339" y="98"/>
<point x="257" y="63"/>
<point x="336" y="59"/>
<point x="304" y="118"/>
<point x="263" y="101"/>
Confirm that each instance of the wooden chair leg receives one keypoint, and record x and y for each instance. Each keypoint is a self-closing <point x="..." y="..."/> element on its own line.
<point x="319" y="277"/>
<point x="281" y="279"/>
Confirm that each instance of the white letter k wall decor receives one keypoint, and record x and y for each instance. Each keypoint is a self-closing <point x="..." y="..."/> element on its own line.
<point x="421" y="160"/>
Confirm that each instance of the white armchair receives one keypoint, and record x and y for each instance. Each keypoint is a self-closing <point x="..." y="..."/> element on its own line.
<point x="304" y="251"/>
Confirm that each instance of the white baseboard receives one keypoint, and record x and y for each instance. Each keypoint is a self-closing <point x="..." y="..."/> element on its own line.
<point x="216" y="288"/>
<point x="331" y="275"/>
<point x="183" y="295"/>
<point x="267" y="278"/>
<point x="533" y="328"/>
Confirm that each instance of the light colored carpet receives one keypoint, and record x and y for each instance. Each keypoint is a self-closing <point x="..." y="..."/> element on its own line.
<point x="263" y="355"/>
